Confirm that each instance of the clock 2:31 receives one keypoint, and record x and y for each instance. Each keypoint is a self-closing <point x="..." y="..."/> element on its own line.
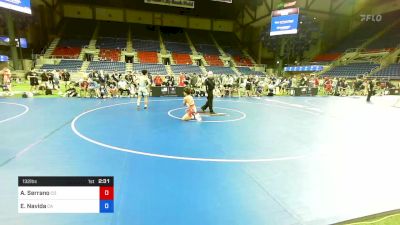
<point x="104" y="181"/>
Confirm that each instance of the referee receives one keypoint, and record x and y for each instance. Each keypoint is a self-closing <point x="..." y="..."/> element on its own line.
<point x="370" y="89"/>
<point x="210" y="85"/>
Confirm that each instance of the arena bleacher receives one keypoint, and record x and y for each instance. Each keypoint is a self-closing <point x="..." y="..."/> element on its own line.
<point x="141" y="45"/>
<point x="111" y="43"/>
<point x="109" y="55"/>
<point x="107" y="66"/>
<point x="220" y="70"/>
<point x="213" y="60"/>
<point x="112" y="40"/>
<point x="146" y="43"/>
<point x="188" y="69"/>
<point x="70" y="65"/>
<point x="390" y="72"/>
<point x="231" y="46"/>
<point x="203" y="42"/>
<point x="154" y="69"/>
<point x="76" y="35"/>
<point x="351" y="70"/>
<point x="148" y="57"/>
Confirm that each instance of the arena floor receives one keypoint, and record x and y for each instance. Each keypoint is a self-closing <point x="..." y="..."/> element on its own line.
<point x="269" y="161"/>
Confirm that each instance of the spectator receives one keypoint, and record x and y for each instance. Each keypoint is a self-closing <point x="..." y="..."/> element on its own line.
<point x="6" y="83"/>
<point x="93" y="88"/>
<point x="158" y="81"/>
<point x="181" y="80"/>
<point x="56" y="80"/>
<point x="113" y="89"/>
<point x="84" y="85"/>
<point x="123" y="88"/>
<point x="33" y="80"/>
<point x="66" y="76"/>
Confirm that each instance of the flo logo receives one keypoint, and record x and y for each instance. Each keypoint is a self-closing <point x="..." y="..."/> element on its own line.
<point x="372" y="18"/>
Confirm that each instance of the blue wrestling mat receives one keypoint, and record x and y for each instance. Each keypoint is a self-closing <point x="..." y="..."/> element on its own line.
<point x="265" y="161"/>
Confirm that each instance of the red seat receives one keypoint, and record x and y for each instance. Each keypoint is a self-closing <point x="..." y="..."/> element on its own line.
<point x="242" y="61"/>
<point x="110" y="54"/>
<point x="213" y="60"/>
<point x="66" y="52"/>
<point x="183" y="59"/>
<point x="148" y="57"/>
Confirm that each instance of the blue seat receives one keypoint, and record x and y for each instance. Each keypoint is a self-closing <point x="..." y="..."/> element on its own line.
<point x="178" y="47"/>
<point x="158" y="69"/>
<point x="351" y="70"/>
<point x="111" y="43"/>
<point x="177" y="69"/>
<point x="220" y="70"/>
<point x="107" y="66"/>
<point x="391" y="72"/>
<point x="70" y="65"/>
<point x="146" y="45"/>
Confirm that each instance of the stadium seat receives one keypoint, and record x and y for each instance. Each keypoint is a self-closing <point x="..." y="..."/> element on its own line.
<point x="66" y="52"/>
<point x="351" y="70"/>
<point x="390" y="72"/>
<point x="107" y="66"/>
<point x="70" y="65"/>
<point x="146" y="45"/>
<point x="155" y="69"/>
<point x="69" y="48"/>
<point x="111" y="43"/>
<point x="67" y="42"/>
<point x="203" y="42"/>
<point x="188" y="69"/>
<point x="182" y="59"/>
<point x="242" y="61"/>
<point x="213" y="60"/>
<point x="110" y="54"/>
<point x="148" y="57"/>
<point x="178" y="47"/>
<point x="220" y="70"/>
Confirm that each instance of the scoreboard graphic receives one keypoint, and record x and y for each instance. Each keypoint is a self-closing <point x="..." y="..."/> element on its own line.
<point x="284" y="21"/>
<point x="65" y="194"/>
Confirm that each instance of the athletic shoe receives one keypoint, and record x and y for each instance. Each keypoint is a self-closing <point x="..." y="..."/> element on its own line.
<point x="145" y="107"/>
<point x="138" y="107"/>
<point x="213" y="113"/>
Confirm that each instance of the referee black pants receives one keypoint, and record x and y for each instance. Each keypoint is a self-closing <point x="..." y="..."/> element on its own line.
<point x="209" y="103"/>
<point x="369" y="96"/>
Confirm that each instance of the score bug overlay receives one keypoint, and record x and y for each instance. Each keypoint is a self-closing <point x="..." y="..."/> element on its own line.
<point x="65" y="194"/>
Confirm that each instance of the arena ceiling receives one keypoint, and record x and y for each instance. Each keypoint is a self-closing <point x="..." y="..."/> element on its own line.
<point x="202" y="7"/>
<point x="251" y="12"/>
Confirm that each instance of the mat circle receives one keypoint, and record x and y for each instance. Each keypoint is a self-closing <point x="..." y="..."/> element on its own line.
<point x="137" y="152"/>
<point x="26" y="109"/>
